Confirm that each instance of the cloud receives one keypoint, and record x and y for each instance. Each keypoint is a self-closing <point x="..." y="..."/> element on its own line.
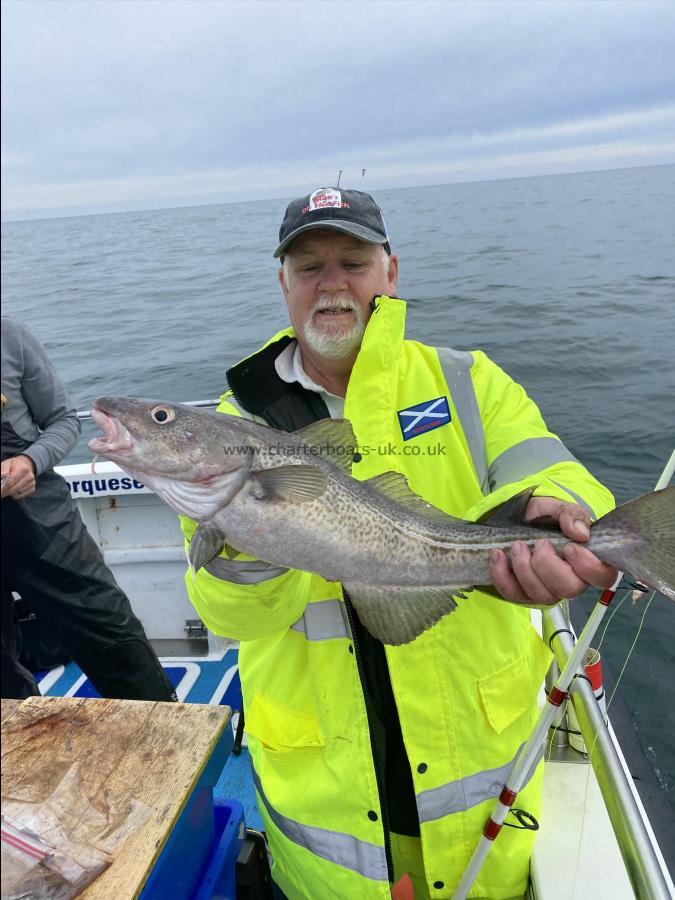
<point x="109" y="103"/>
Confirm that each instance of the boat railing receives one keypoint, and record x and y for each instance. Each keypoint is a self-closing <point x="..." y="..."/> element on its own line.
<point x="86" y="413"/>
<point x="644" y="863"/>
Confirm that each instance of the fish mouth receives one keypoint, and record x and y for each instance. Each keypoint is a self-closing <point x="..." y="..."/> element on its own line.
<point x="115" y="439"/>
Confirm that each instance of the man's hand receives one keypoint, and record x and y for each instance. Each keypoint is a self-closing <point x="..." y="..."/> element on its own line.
<point x="541" y="576"/>
<point x="18" y="477"/>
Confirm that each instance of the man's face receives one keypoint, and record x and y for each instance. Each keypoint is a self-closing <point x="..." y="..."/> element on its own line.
<point x="329" y="279"/>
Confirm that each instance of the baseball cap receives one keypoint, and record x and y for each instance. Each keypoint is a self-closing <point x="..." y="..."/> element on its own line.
<point x="352" y="212"/>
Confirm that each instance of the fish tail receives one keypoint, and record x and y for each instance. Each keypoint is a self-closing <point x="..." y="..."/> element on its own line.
<point x="642" y="534"/>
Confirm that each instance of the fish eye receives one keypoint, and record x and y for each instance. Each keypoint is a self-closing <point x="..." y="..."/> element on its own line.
<point x="163" y="414"/>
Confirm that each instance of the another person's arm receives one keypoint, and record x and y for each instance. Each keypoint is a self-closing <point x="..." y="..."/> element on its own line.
<point x="49" y="405"/>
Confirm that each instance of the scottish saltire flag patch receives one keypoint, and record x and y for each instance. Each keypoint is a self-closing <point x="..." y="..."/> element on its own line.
<point x="423" y="417"/>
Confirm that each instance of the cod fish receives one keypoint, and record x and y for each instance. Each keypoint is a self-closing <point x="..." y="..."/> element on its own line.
<point x="290" y="499"/>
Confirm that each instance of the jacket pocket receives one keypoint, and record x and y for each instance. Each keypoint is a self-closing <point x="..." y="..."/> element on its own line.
<point x="281" y="729"/>
<point x="511" y="691"/>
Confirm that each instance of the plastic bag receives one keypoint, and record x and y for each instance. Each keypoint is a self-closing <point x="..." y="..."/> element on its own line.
<point x="33" y="868"/>
<point x="55" y="848"/>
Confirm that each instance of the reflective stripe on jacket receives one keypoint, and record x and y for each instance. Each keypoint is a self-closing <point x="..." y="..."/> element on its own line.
<point x="465" y="689"/>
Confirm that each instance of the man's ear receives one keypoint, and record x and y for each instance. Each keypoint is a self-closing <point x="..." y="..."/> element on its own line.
<point x="392" y="274"/>
<point x="282" y="280"/>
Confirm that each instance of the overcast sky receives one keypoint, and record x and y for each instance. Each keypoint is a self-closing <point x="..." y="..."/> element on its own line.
<point x="132" y="104"/>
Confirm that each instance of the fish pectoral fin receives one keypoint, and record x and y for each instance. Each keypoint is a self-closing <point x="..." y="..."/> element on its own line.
<point x="394" y="485"/>
<point x="397" y="615"/>
<point x="228" y="551"/>
<point x="510" y="513"/>
<point x="332" y="439"/>
<point x="297" y="484"/>
<point x="206" y="543"/>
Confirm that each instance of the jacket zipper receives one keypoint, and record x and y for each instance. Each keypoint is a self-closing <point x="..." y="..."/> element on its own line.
<point x="234" y="394"/>
<point x="369" y="715"/>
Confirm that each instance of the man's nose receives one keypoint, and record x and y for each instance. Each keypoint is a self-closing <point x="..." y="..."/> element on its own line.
<point x="332" y="278"/>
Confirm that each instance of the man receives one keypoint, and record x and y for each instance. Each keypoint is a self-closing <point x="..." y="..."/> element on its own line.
<point x="372" y="761"/>
<point x="48" y="557"/>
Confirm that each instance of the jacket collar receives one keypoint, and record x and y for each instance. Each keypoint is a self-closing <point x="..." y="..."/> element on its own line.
<point x="257" y="388"/>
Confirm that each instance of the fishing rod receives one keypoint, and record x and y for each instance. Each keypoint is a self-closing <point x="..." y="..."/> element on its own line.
<point x="530" y="750"/>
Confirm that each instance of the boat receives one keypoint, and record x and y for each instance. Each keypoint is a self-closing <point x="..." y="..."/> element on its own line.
<point x="606" y="830"/>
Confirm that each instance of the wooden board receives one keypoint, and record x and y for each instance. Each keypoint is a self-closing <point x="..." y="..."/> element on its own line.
<point x="8" y="707"/>
<point x="152" y="752"/>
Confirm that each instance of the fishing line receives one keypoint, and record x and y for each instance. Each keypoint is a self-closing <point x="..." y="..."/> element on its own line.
<point x="559" y="727"/>
<point x="609" y="703"/>
<point x="630" y="652"/>
<point x="554" y="731"/>
<point x="581" y="830"/>
<point x="626" y="661"/>
<point x="613" y="613"/>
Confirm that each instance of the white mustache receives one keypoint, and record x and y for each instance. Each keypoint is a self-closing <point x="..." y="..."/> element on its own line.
<point x="339" y="301"/>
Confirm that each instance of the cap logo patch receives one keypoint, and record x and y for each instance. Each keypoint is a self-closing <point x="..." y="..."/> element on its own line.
<point x="325" y="198"/>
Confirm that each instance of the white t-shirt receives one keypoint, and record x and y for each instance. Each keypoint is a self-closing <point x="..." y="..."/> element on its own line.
<point x="289" y="368"/>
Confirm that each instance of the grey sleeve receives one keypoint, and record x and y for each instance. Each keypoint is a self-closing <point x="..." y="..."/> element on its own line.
<point x="48" y="401"/>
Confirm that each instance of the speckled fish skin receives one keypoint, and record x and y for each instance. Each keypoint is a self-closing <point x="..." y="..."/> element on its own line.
<point x="402" y="561"/>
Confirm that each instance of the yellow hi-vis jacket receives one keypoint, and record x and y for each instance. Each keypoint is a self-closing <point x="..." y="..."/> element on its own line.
<point x="465" y="689"/>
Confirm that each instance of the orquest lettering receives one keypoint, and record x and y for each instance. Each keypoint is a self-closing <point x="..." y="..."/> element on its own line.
<point x="91" y="487"/>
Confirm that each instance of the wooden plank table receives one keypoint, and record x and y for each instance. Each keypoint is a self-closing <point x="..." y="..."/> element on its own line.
<point x="126" y="749"/>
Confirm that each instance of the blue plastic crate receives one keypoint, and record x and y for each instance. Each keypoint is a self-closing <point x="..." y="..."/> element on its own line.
<point x="219" y="880"/>
<point x="187" y="852"/>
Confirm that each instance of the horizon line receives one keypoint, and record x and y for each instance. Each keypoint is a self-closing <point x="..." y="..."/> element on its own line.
<point x="117" y="212"/>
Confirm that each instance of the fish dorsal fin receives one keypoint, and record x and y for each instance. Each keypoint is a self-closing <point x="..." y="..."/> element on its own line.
<point x="333" y="439"/>
<point x="297" y="484"/>
<point x="397" y="615"/>
<point x="394" y="486"/>
<point x="510" y="513"/>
